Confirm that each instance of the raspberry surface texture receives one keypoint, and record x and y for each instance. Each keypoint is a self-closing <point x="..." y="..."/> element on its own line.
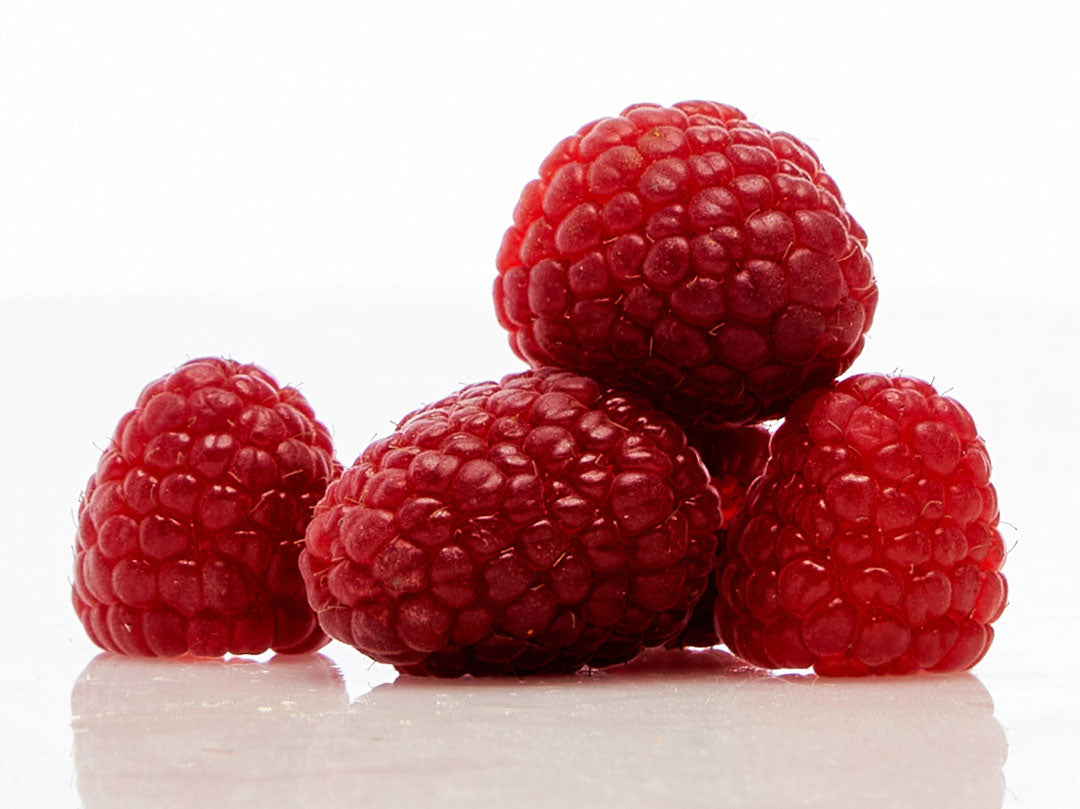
<point x="692" y="254"/>
<point x="734" y="456"/>
<point x="189" y="530"/>
<point x="870" y="543"/>
<point x="537" y="524"/>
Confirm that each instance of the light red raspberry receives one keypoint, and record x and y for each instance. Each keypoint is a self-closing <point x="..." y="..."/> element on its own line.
<point x="189" y="530"/>
<point x="870" y="544"/>
<point x="688" y="252"/>
<point x="734" y="456"/>
<point x="541" y="523"/>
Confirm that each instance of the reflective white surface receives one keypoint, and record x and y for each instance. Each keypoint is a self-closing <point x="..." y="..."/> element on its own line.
<point x="692" y="729"/>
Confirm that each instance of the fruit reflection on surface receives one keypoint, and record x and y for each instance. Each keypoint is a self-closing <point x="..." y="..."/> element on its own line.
<point x="675" y="728"/>
<point x="670" y="728"/>
<point x="197" y="733"/>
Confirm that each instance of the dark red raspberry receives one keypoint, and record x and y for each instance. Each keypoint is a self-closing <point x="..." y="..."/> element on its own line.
<point x="870" y="543"/>
<point x="734" y="456"/>
<point x="536" y="524"/>
<point x="690" y="253"/>
<point x="189" y="531"/>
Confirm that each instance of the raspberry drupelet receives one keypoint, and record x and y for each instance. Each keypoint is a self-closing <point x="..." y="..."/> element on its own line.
<point x="692" y="254"/>
<point x="870" y="543"/>
<point x="537" y="524"/>
<point x="189" y="530"/>
<point x="734" y="456"/>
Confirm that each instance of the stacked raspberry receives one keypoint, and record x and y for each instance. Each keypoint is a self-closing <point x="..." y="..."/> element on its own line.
<point x="711" y="265"/>
<point x="689" y="253"/>
<point x="675" y="276"/>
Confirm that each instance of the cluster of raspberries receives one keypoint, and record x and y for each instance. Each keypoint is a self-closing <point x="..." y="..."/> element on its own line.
<point x="675" y="276"/>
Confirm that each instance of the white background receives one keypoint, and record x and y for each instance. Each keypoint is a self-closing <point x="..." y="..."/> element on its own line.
<point x="321" y="188"/>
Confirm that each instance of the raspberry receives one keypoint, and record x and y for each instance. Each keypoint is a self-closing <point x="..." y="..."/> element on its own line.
<point x="538" y="524"/>
<point x="870" y="543"/>
<point x="188" y="531"/>
<point x="692" y="254"/>
<point x="734" y="457"/>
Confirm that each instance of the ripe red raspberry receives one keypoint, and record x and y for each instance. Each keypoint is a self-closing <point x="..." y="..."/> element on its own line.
<point x="189" y="530"/>
<point x="536" y="524"/>
<point x="734" y="456"/>
<point x="870" y="543"/>
<point x="690" y="253"/>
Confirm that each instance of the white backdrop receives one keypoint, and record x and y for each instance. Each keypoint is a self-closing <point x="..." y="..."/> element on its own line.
<point x="212" y="145"/>
<point x="321" y="187"/>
